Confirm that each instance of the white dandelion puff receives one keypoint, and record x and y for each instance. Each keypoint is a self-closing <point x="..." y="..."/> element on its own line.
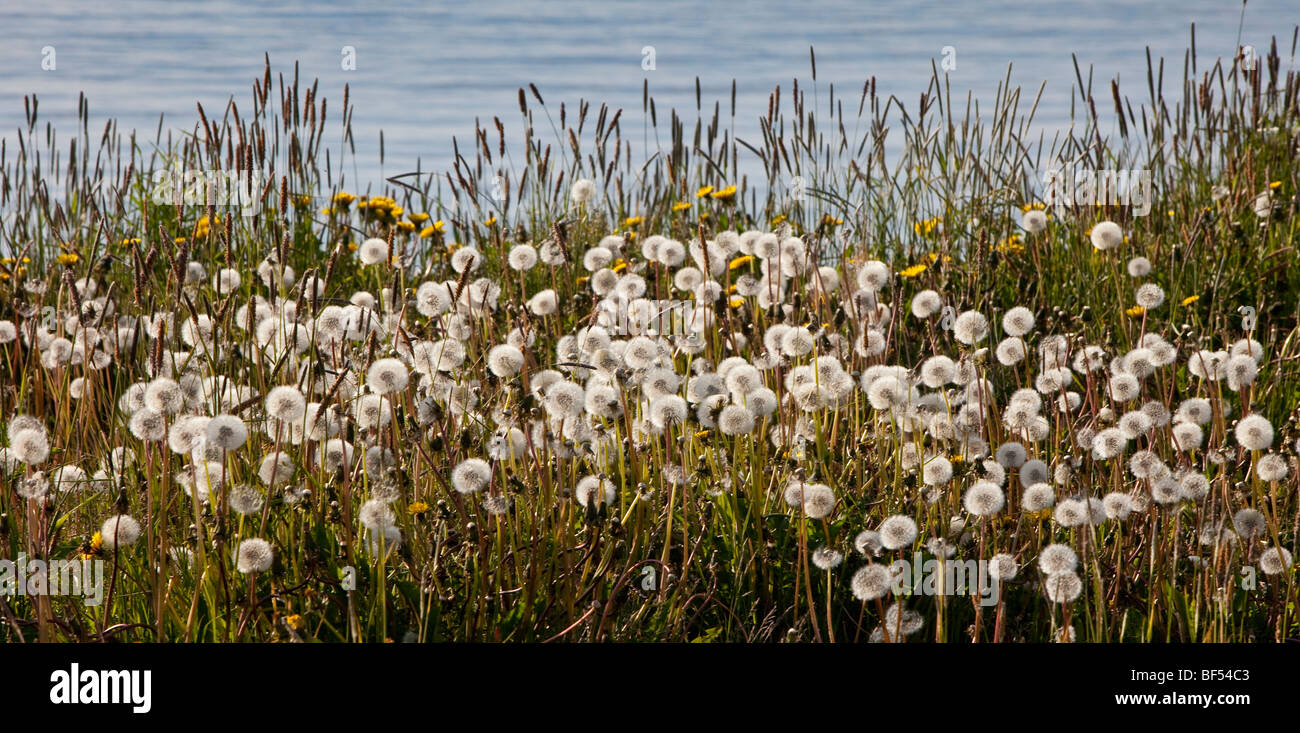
<point x="253" y="556"/>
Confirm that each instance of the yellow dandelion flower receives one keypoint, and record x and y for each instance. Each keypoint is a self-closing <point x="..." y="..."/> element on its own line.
<point x="327" y="211"/>
<point x="1135" y="312"/>
<point x="682" y="206"/>
<point x="417" y="508"/>
<point x="778" y="219"/>
<point x="406" y="226"/>
<point x="352" y="246"/>
<point x="704" y="191"/>
<point x="913" y="271"/>
<point x="928" y="227"/>
<point x="418" y="218"/>
<point x="619" y="265"/>
<point x="69" y="258"/>
<point x="724" y="194"/>
<point x="1191" y="299"/>
<point x="295" y="622"/>
<point x="740" y="262"/>
<point x="1275" y="184"/>
<point x="736" y="301"/>
<point x="491" y="222"/>
<point x="1014" y="244"/>
<point x="343" y="198"/>
<point x="633" y="221"/>
<point x="93" y="547"/>
<point x="701" y="434"/>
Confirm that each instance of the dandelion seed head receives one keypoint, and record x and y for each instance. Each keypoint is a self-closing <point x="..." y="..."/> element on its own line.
<point x="735" y="420"/>
<point x="164" y="395"/>
<point x="276" y="469"/>
<point x="471" y="475"/>
<point x="871" y="582"/>
<point x="145" y="424"/>
<point x="505" y="360"/>
<point x="245" y="500"/>
<point x="926" y="303"/>
<point x="1010" y="351"/>
<point x="1106" y="235"/>
<point x="1011" y="455"/>
<point x="1018" y="321"/>
<point x="874" y="275"/>
<point x="1249" y="523"/>
<point x="285" y="403"/>
<point x="1166" y="491"/>
<point x="594" y="490"/>
<point x="1196" y="410"/>
<point x="897" y="531"/>
<point x="1194" y="486"/>
<point x="824" y="558"/>
<point x="1034" y="221"/>
<point x="1057" y="558"/>
<point x="1274" y="561"/>
<point x="1139" y="267"/>
<point x="1071" y="513"/>
<point x="868" y="543"/>
<point x="253" y="556"/>
<point x="1150" y="296"/>
<point x="1117" y="505"/>
<point x="1062" y="587"/>
<point x="984" y="499"/>
<point x="386" y="376"/>
<point x="119" y="531"/>
<point x="818" y="500"/>
<point x="29" y="444"/>
<point x="226" y="432"/>
<point x="582" y="191"/>
<point x="1254" y="432"/>
<point x="373" y="251"/>
<point x="970" y="327"/>
<point x="1272" y="467"/>
<point x="937" y="471"/>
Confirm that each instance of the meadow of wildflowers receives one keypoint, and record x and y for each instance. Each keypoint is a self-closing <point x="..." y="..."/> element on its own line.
<point x="569" y="391"/>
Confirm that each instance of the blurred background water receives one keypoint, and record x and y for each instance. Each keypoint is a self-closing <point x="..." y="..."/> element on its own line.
<point x="427" y="71"/>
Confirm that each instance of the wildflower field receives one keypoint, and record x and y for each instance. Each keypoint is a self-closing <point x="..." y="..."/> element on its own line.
<point x="870" y="377"/>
